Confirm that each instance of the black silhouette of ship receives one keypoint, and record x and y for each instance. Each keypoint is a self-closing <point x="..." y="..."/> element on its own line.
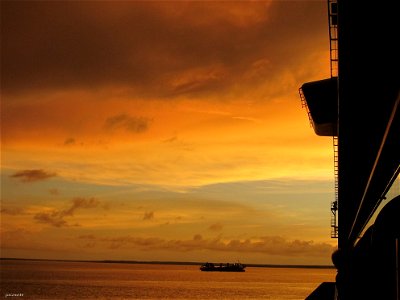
<point x="228" y="267"/>
<point x="359" y="106"/>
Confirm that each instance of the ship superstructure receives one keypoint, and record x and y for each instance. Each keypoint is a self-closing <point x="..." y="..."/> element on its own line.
<point x="359" y="106"/>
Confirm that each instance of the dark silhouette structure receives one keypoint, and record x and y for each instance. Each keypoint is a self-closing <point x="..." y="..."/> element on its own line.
<point x="325" y="290"/>
<point x="363" y="115"/>
<point x="211" y="267"/>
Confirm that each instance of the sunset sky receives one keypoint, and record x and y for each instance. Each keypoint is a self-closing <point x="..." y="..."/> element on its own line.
<point x="164" y="131"/>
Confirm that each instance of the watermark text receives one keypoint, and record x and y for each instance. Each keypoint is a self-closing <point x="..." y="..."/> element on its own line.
<point x="13" y="295"/>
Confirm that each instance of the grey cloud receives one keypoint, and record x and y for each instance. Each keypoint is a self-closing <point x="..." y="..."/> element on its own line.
<point x="129" y="123"/>
<point x="56" y="218"/>
<point x="148" y="215"/>
<point x="197" y="237"/>
<point x="87" y="237"/>
<point x="216" y="227"/>
<point x="33" y="175"/>
<point x="13" y="211"/>
<point x="171" y="140"/>
<point x="69" y="141"/>
<point x="78" y="203"/>
<point x="54" y="192"/>
<point x="271" y="245"/>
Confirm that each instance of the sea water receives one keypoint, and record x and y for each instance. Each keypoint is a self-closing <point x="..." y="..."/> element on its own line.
<point x="23" y="279"/>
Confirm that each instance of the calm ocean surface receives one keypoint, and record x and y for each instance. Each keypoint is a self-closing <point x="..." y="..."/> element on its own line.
<point x="83" y="280"/>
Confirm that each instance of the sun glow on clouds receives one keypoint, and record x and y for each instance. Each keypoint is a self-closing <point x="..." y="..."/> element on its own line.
<point x="184" y="143"/>
<point x="177" y="129"/>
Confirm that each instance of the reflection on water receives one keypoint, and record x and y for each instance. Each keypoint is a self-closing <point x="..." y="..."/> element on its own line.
<point x="85" y="280"/>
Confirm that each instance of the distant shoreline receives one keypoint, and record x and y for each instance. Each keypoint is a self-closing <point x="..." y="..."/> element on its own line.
<point x="168" y="263"/>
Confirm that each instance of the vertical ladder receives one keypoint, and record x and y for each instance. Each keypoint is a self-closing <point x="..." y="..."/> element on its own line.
<point x="334" y="62"/>
<point x="334" y="204"/>
<point x="333" y="36"/>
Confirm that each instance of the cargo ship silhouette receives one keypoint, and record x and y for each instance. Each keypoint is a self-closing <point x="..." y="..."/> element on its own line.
<point x="211" y="267"/>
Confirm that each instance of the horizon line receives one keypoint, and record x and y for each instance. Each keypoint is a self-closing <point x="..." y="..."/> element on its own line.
<point x="260" y="265"/>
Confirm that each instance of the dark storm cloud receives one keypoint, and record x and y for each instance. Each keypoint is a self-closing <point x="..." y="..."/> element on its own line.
<point x="154" y="48"/>
<point x="129" y="123"/>
<point x="33" y="175"/>
<point x="56" y="218"/>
